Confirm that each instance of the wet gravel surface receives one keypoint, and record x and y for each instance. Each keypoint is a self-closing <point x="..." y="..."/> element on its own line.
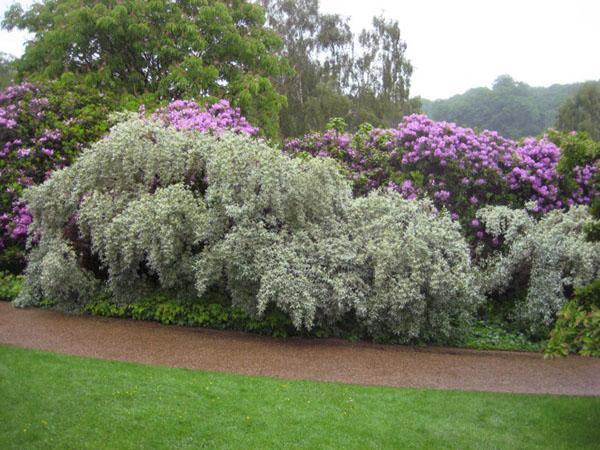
<point x="295" y="358"/>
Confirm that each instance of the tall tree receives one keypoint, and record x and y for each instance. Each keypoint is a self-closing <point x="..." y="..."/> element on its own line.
<point x="335" y="73"/>
<point x="382" y="72"/>
<point x="319" y="49"/>
<point x="582" y="111"/>
<point x="168" y="48"/>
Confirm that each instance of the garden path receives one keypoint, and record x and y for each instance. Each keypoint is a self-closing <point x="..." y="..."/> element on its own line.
<point x="294" y="358"/>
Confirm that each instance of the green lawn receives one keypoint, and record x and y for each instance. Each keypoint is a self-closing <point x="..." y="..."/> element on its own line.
<point x="55" y="401"/>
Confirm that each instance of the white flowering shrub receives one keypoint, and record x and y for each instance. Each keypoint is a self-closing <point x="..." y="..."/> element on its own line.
<point x="152" y="207"/>
<point x="553" y="251"/>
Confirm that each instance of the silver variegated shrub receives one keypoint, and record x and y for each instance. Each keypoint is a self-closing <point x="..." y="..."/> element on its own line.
<point x="552" y="250"/>
<point x="160" y="208"/>
<point x="415" y="265"/>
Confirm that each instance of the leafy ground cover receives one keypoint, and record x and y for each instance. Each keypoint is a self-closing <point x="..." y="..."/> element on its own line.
<point x="490" y="335"/>
<point x="485" y="334"/>
<point x="58" y="401"/>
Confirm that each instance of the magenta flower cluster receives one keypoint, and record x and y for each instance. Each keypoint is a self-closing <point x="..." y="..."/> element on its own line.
<point x="457" y="167"/>
<point x="215" y="118"/>
<point x="28" y="153"/>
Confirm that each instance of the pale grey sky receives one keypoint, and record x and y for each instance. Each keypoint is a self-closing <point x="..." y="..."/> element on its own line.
<point x="455" y="45"/>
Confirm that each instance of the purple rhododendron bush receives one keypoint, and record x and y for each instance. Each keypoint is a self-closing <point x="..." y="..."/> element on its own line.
<point x="457" y="168"/>
<point x="42" y="128"/>
<point x="215" y="118"/>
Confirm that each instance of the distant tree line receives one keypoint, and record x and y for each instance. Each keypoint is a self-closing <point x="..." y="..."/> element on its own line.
<point x="516" y="109"/>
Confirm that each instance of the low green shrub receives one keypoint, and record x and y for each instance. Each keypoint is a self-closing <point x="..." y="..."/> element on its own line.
<point x="165" y="310"/>
<point x="10" y="286"/>
<point x="488" y="335"/>
<point x="577" y="328"/>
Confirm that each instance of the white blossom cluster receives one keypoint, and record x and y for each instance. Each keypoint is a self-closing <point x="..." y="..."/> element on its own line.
<point x="552" y="251"/>
<point x="185" y="211"/>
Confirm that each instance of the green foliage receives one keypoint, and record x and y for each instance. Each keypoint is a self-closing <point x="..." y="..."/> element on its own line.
<point x="334" y="73"/>
<point x="81" y="113"/>
<point x="382" y="76"/>
<point x="203" y="49"/>
<point x="592" y="229"/>
<point x="488" y="335"/>
<point x="576" y="149"/>
<point x="163" y="309"/>
<point x="512" y="108"/>
<point x="577" y="328"/>
<point x="582" y="111"/>
<point x="10" y="286"/>
<point x="317" y="47"/>
<point x="12" y="258"/>
<point x="206" y="313"/>
<point x="336" y="123"/>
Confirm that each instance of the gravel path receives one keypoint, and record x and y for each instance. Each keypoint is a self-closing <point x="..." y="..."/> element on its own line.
<point x="294" y="358"/>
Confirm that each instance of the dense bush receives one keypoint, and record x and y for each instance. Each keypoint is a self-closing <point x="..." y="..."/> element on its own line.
<point x="577" y="328"/>
<point x="550" y="255"/>
<point x="456" y="167"/>
<point x="152" y="207"/>
<point x="42" y="128"/>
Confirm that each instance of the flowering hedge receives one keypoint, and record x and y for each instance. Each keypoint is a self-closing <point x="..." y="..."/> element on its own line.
<point x="151" y="207"/>
<point x="457" y="167"/>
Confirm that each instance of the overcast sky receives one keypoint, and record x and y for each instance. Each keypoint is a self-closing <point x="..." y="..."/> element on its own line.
<point x="455" y="45"/>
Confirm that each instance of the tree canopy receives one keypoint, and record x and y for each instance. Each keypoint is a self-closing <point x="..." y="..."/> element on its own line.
<point x="169" y="49"/>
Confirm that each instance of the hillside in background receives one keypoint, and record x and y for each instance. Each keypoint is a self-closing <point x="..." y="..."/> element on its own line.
<point x="511" y="107"/>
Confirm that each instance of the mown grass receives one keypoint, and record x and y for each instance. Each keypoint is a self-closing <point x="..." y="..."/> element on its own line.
<point x="56" y="401"/>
